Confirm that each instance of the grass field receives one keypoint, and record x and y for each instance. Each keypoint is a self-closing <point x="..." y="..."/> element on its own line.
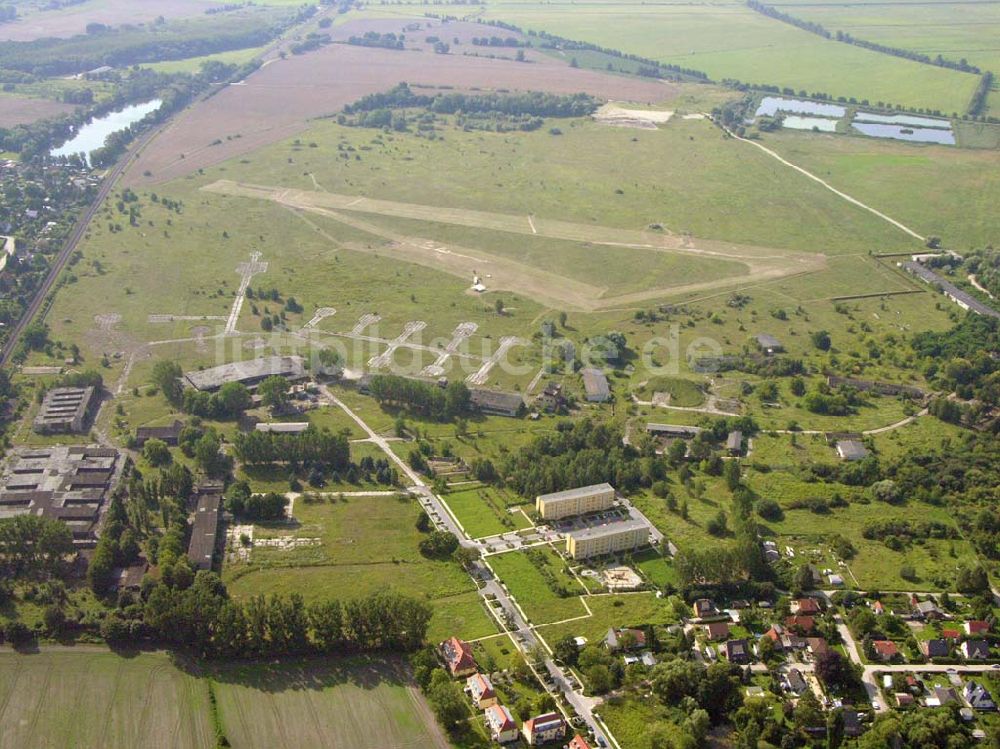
<point x="729" y="40"/>
<point x="938" y="191"/>
<point x="348" y="564"/>
<point x="98" y="699"/>
<point x="529" y="588"/>
<point x="484" y="511"/>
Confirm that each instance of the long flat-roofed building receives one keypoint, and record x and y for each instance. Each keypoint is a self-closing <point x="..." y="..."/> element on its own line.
<point x="64" y="410"/>
<point x="575" y="501"/>
<point x="249" y="372"/>
<point x="204" y="532"/>
<point x="610" y="538"/>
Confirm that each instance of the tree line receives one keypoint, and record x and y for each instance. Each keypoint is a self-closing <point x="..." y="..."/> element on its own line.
<point x="841" y="36"/>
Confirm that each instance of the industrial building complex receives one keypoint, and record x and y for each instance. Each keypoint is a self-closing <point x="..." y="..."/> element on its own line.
<point x="65" y="410"/>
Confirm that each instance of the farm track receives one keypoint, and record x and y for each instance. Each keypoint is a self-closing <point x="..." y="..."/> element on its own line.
<point x="763" y="264"/>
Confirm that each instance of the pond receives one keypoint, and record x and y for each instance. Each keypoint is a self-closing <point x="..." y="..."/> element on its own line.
<point x="771" y="105"/>
<point x="823" y="124"/>
<point x="91" y="136"/>
<point x="912" y="134"/>
<point x="902" y="119"/>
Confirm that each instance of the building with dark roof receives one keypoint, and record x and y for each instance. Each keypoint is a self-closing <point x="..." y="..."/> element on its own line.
<point x="70" y="484"/>
<point x="595" y="385"/>
<point x="249" y="373"/>
<point x="768" y="343"/>
<point x="496" y="402"/>
<point x="962" y="298"/>
<point x="873" y="386"/>
<point x="734" y="442"/>
<point x="65" y="410"/>
<point x="169" y="434"/>
<point x="205" y="531"/>
<point x="680" y="431"/>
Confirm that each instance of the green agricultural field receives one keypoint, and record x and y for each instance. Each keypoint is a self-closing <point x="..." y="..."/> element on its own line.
<point x="730" y="40"/>
<point x="529" y="588"/>
<point x="94" y="698"/>
<point x="346" y="563"/>
<point x="363" y="703"/>
<point x="956" y="31"/>
<point x="485" y="511"/>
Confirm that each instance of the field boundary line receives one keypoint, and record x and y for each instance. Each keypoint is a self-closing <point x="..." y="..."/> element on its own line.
<point x="828" y="186"/>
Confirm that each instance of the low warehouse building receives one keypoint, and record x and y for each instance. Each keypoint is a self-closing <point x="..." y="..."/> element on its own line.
<point x="595" y="383"/>
<point x="205" y="532"/>
<point x="248" y="373"/>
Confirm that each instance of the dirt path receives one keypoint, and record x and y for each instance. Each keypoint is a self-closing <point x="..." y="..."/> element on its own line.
<point x="762" y="263"/>
<point x="830" y="187"/>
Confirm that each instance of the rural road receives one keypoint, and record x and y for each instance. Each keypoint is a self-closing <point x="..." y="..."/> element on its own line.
<point x="523" y="633"/>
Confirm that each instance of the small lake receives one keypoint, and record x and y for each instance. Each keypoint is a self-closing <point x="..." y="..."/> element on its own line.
<point x="771" y="105"/>
<point x="915" y="134"/>
<point x="91" y="136"/>
<point x="902" y="119"/>
<point x="795" y="122"/>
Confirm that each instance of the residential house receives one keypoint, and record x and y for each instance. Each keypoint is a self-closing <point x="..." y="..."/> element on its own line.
<point x="624" y="639"/>
<point x="704" y="607"/>
<point x="928" y="611"/>
<point x="935" y="648"/>
<point x="977" y="627"/>
<point x="717" y="630"/>
<point x="805" y="606"/>
<point x="852" y="723"/>
<point x="904" y="699"/>
<point x="942" y="696"/>
<point x="738" y="651"/>
<point x="544" y="728"/>
<point x="458" y="657"/>
<point x="885" y="650"/>
<point x="951" y="634"/>
<point x="501" y="723"/>
<point x="817" y="646"/>
<point x="975" y="650"/>
<point x="480" y="689"/>
<point x="803" y="624"/>
<point x="978" y="696"/>
<point x="795" y="682"/>
<point x="578" y="742"/>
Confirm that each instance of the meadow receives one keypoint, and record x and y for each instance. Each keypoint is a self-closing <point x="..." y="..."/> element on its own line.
<point x="484" y="511"/>
<point x="730" y="40"/>
<point x="346" y="563"/>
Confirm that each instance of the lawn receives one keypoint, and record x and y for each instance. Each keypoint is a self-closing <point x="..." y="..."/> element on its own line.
<point x="484" y="511"/>
<point x="94" y="698"/>
<point x="729" y="40"/>
<point x="528" y="586"/>
<point x="683" y="393"/>
<point x="612" y="610"/>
